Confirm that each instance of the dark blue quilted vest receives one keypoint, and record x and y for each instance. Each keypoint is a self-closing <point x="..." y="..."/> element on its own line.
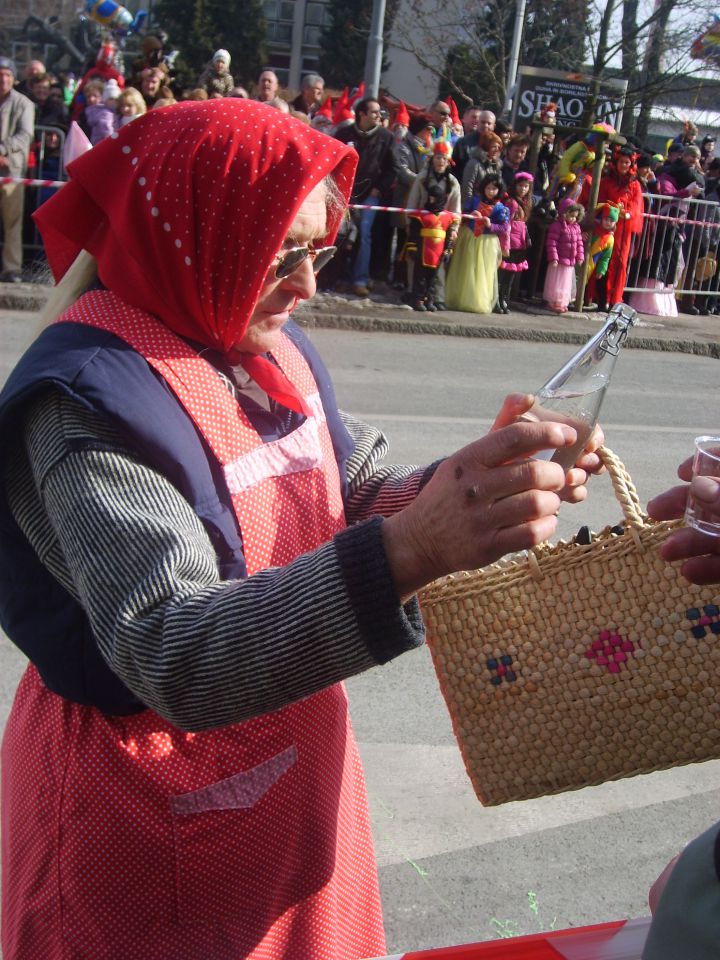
<point x="110" y="378"/>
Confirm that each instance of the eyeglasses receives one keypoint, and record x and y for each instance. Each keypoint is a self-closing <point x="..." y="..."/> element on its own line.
<point x="287" y="261"/>
<point x="440" y="113"/>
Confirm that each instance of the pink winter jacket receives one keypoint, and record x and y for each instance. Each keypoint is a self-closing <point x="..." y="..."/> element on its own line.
<point x="564" y="243"/>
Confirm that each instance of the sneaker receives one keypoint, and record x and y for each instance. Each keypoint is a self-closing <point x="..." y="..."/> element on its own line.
<point x="430" y="307"/>
<point x="360" y="290"/>
<point x="439" y="305"/>
<point x="419" y="306"/>
<point x="11" y="276"/>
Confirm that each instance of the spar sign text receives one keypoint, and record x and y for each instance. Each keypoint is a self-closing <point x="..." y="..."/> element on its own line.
<point x="536" y="87"/>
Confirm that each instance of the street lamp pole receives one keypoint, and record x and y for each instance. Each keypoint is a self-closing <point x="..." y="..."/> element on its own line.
<point x="514" y="53"/>
<point x="373" y="58"/>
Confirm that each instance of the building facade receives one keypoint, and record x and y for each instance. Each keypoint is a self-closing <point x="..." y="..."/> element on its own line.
<point x="293" y="30"/>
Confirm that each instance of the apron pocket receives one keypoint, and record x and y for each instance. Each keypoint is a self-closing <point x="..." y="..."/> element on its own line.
<point x="240" y="792"/>
<point x="247" y="850"/>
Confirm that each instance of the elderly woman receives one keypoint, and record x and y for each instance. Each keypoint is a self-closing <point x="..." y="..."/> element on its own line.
<point x="198" y="548"/>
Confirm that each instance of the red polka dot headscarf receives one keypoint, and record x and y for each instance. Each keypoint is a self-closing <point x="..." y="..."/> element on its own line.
<point x="185" y="208"/>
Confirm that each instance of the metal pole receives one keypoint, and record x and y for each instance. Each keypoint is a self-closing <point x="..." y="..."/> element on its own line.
<point x="373" y="58"/>
<point x="592" y="203"/>
<point x="514" y="53"/>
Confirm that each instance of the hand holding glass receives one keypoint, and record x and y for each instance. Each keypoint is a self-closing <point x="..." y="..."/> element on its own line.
<point x="706" y="463"/>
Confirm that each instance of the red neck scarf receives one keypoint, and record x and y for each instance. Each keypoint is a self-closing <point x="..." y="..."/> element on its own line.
<point x="185" y="208"/>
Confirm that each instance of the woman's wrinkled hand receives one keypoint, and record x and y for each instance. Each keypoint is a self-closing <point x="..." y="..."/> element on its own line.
<point x="516" y="405"/>
<point x="488" y="499"/>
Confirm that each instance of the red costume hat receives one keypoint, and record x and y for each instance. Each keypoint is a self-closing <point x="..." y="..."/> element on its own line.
<point x="343" y="113"/>
<point x="607" y="211"/>
<point x="402" y="117"/>
<point x="454" y="114"/>
<point x="325" y="110"/>
<point x="359" y="93"/>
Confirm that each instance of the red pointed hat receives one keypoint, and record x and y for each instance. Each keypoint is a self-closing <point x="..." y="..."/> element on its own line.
<point x="360" y="92"/>
<point x="343" y="112"/>
<point x="326" y="109"/>
<point x="402" y="116"/>
<point x="454" y="115"/>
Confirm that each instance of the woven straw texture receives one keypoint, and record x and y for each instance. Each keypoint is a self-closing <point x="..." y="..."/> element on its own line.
<point x="578" y="663"/>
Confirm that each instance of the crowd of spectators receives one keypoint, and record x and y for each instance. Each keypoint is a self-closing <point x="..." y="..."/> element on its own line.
<point x="399" y="166"/>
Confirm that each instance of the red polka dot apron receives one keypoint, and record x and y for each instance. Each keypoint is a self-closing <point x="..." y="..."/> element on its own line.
<point x="124" y="837"/>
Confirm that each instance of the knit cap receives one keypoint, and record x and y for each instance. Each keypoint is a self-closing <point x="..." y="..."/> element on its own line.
<point x="221" y="55"/>
<point x="111" y="90"/>
<point x="7" y="64"/>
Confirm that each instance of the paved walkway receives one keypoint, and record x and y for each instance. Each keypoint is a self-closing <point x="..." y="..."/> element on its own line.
<point x="384" y="312"/>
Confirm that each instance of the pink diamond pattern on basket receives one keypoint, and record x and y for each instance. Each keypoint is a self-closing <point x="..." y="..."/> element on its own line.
<point x="610" y="650"/>
<point x="704" y="619"/>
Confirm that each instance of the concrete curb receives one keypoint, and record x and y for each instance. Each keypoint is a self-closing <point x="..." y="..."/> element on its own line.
<point x="675" y="336"/>
<point x="21" y="299"/>
<point x="375" y="324"/>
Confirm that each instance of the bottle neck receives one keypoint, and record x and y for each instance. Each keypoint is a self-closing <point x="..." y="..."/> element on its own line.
<point x="597" y="356"/>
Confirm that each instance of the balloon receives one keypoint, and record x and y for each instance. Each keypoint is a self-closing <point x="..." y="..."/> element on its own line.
<point x="114" y="16"/>
<point x="707" y="45"/>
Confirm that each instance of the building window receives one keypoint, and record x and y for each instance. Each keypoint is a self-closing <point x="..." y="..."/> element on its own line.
<point x="279" y="32"/>
<point x="311" y="36"/>
<point x="315" y="14"/>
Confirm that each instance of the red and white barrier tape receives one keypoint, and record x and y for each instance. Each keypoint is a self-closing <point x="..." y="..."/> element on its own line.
<point x="28" y="182"/>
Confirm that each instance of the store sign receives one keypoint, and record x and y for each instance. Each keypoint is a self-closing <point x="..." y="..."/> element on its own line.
<point x="536" y="87"/>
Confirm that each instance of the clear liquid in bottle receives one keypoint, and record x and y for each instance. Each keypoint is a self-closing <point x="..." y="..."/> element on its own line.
<point x="578" y="410"/>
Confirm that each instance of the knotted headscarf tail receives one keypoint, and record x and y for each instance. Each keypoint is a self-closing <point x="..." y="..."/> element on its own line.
<point x="185" y="208"/>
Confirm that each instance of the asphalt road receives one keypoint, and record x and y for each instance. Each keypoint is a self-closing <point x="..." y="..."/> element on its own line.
<point x="452" y="871"/>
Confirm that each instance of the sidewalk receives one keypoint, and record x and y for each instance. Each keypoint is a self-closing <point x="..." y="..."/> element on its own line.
<point x="384" y="312"/>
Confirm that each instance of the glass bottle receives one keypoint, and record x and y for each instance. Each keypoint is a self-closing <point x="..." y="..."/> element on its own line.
<point x="574" y="394"/>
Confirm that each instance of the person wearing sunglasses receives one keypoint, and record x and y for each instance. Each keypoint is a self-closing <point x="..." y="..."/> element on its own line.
<point x="440" y="117"/>
<point x="197" y="549"/>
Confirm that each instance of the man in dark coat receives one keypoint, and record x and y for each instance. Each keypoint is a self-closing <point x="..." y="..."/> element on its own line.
<point x="373" y="179"/>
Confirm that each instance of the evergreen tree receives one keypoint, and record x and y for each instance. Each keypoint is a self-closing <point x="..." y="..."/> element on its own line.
<point x="343" y="42"/>
<point x="199" y="27"/>
<point x="554" y="37"/>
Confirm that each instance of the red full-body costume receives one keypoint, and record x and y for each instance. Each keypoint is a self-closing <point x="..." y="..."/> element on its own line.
<point x="625" y="192"/>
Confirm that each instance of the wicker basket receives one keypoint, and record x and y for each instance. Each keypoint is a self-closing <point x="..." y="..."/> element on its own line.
<point x="578" y="663"/>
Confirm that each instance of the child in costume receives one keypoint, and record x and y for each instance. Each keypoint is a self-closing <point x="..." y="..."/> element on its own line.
<point x="565" y="251"/>
<point x="436" y="191"/>
<point x="600" y="252"/>
<point x="472" y="277"/>
<point x="620" y="186"/>
<point x="102" y="118"/>
<point x="514" y="261"/>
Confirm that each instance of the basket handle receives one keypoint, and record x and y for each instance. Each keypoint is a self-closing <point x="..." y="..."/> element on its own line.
<point x="623" y="488"/>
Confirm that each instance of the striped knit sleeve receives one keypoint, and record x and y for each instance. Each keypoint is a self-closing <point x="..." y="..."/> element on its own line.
<point x="200" y="651"/>
<point x="376" y="488"/>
